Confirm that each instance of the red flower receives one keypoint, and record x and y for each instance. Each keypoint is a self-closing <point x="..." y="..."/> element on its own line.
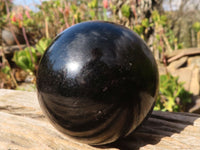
<point x="14" y="19"/>
<point x="66" y="11"/>
<point x="105" y="3"/>
<point x="27" y="14"/>
<point x="19" y="16"/>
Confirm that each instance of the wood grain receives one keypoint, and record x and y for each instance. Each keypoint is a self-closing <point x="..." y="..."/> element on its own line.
<point x="177" y="54"/>
<point x="23" y="126"/>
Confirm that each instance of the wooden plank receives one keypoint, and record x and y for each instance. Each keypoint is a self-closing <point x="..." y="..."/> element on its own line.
<point x="178" y="51"/>
<point x="11" y="49"/>
<point x="181" y="53"/>
<point x="23" y="126"/>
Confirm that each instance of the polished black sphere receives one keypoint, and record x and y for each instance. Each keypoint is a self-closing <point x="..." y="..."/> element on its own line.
<point x="97" y="82"/>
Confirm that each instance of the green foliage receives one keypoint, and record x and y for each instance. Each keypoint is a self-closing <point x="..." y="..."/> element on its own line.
<point x="2" y="7"/>
<point x="138" y="29"/>
<point x="172" y="39"/>
<point x="93" y="4"/>
<point x="173" y="97"/>
<point x="125" y="10"/>
<point x="3" y="10"/>
<point x="42" y="45"/>
<point x="74" y="8"/>
<point x="196" y="26"/>
<point x="159" y="19"/>
<point x="142" y="28"/>
<point x="158" y="23"/>
<point x="145" y="23"/>
<point x="26" y="59"/>
<point x="5" y="70"/>
<point x="2" y="20"/>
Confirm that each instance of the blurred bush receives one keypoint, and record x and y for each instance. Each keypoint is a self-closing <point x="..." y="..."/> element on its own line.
<point x="172" y="96"/>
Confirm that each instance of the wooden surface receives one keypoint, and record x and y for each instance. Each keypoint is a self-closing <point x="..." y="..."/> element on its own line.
<point x="23" y="126"/>
<point x="177" y="54"/>
<point x="12" y="49"/>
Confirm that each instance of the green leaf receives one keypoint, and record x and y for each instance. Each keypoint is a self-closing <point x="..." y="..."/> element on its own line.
<point x="26" y="59"/>
<point x="5" y="70"/>
<point x="145" y="22"/>
<point x="125" y="10"/>
<point x="73" y="8"/>
<point x="138" y="29"/>
<point x="92" y="13"/>
<point x="196" y="26"/>
<point x="171" y="89"/>
<point x="93" y="4"/>
<point x="42" y="45"/>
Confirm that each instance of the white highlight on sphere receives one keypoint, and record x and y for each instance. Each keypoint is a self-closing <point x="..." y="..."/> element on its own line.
<point x="73" y="66"/>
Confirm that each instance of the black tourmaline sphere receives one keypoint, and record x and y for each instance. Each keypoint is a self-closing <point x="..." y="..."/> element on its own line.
<point x="97" y="82"/>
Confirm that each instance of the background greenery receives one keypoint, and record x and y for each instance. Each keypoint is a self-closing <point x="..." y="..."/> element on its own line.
<point x="156" y="26"/>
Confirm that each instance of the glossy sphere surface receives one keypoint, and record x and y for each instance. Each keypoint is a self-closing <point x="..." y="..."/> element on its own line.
<point x="97" y="82"/>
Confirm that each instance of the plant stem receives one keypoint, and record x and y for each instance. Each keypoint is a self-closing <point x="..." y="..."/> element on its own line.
<point x="46" y="28"/>
<point x="27" y="42"/>
<point x="25" y="37"/>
